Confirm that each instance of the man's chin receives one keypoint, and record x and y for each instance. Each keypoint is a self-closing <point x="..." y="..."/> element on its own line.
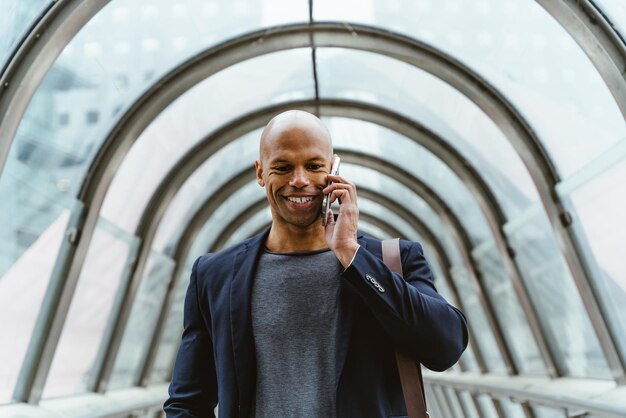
<point x="303" y="221"/>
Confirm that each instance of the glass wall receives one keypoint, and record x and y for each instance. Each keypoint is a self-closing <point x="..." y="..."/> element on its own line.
<point x="547" y="87"/>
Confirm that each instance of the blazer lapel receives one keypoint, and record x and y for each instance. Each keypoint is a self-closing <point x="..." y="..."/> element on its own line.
<point x="344" y="325"/>
<point x="241" y="327"/>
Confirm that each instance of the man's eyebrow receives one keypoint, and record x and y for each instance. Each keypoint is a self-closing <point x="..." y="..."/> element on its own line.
<point x="279" y="161"/>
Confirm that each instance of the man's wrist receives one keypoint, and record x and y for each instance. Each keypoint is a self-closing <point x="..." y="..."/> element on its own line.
<point x="346" y="254"/>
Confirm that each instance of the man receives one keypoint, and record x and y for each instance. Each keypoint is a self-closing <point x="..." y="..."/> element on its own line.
<point x="303" y="320"/>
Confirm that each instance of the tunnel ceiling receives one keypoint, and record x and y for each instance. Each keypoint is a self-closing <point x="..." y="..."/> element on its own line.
<point x="492" y="132"/>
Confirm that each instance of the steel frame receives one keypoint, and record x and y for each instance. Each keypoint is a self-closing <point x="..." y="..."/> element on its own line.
<point x="72" y="14"/>
<point x="413" y="130"/>
<point x="413" y="53"/>
<point x="397" y="174"/>
<point x="595" y="35"/>
<point x="33" y="58"/>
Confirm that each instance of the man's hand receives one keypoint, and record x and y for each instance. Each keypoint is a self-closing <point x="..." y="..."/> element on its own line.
<point x="341" y="235"/>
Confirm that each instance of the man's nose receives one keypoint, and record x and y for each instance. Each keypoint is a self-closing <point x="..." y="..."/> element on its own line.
<point x="299" y="178"/>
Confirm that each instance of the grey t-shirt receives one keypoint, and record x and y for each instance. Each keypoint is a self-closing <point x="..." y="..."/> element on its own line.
<point x="294" y="324"/>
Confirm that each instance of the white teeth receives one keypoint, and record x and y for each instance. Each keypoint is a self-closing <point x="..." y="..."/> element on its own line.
<point x="300" y="199"/>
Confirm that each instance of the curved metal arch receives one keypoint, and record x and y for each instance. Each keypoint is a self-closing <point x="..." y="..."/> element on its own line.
<point x="359" y="37"/>
<point x="456" y="229"/>
<point x="215" y="141"/>
<point x="413" y="130"/>
<point x="328" y="34"/>
<point x="33" y="58"/>
<point x="391" y="205"/>
<point x="597" y="37"/>
<point x="402" y="177"/>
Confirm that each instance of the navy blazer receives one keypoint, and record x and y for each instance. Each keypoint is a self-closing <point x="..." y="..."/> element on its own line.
<point x="379" y="311"/>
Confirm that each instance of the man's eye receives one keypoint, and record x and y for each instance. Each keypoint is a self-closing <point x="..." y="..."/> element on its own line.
<point x="282" y="168"/>
<point x="315" y="166"/>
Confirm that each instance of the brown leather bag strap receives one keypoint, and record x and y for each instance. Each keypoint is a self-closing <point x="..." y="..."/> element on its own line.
<point x="409" y="369"/>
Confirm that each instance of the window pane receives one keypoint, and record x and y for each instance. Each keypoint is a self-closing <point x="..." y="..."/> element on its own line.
<point x="116" y="56"/>
<point x="555" y="297"/>
<point x="544" y="73"/>
<point x="89" y="318"/>
<point x="172" y="332"/>
<point x="468" y="360"/>
<point x="509" y="313"/>
<point x="209" y="178"/>
<point x="379" y="211"/>
<point x="411" y="201"/>
<point x="16" y="17"/>
<point x="477" y="321"/>
<point x="416" y="94"/>
<point x="229" y="210"/>
<point x="600" y="206"/>
<point x="251" y="225"/>
<point x="143" y="317"/>
<point x="616" y="11"/>
<point x="398" y="150"/>
<point x="34" y="223"/>
<point x="214" y="102"/>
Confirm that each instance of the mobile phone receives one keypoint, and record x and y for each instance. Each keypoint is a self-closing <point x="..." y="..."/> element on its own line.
<point x="334" y="170"/>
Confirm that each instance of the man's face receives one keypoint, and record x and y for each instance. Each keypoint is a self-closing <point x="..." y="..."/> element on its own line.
<point x="295" y="161"/>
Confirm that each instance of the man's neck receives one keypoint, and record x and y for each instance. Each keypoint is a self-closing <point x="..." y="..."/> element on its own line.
<point x="290" y="238"/>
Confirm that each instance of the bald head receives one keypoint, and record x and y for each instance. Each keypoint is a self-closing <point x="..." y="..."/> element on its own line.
<point x="296" y="125"/>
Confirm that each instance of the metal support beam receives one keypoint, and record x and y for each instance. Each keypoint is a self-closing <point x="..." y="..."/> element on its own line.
<point x="358" y="37"/>
<point x="410" y="51"/>
<point x="205" y="148"/>
<point x="590" y="28"/>
<point x="409" y="181"/>
<point x="234" y="183"/>
<point x="32" y="60"/>
<point x="456" y="229"/>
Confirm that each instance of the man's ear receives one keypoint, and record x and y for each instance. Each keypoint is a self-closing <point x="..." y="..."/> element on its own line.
<point x="259" y="173"/>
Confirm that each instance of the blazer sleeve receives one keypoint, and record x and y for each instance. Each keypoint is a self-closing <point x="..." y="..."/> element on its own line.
<point x="418" y="319"/>
<point x="193" y="389"/>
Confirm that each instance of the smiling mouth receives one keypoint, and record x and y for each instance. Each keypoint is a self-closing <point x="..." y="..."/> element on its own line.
<point x="303" y="199"/>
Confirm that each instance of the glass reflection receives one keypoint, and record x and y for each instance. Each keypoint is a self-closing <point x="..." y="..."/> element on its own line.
<point x="142" y="321"/>
<point x="79" y="350"/>
<point x="477" y="321"/>
<point x="410" y="200"/>
<point x="600" y="209"/>
<point x="468" y="359"/>
<point x="211" y="176"/>
<point x="509" y="314"/>
<point x="544" y="74"/>
<point x="35" y="217"/>
<point x="556" y="298"/>
<point x="398" y="150"/>
<point x="212" y="103"/>
<point x="410" y="91"/>
<point x="172" y="333"/>
<point x="16" y="17"/>
<point x="616" y="12"/>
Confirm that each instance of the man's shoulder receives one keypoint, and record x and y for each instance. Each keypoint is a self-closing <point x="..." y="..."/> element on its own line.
<point x="224" y="257"/>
